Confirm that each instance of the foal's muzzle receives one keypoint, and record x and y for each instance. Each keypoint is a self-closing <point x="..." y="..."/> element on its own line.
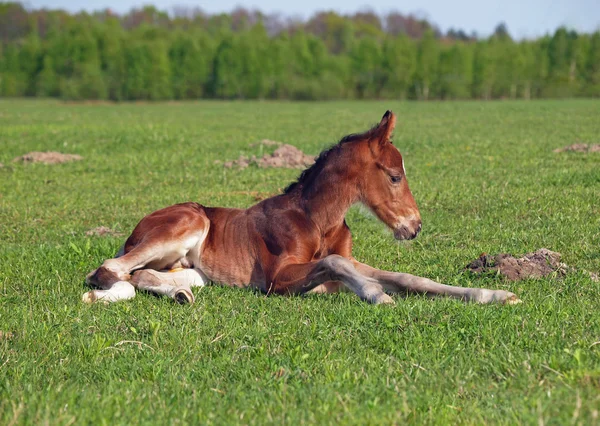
<point x="407" y="232"/>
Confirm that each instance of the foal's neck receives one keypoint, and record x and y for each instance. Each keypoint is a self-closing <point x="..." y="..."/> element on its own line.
<point x="329" y="201"/>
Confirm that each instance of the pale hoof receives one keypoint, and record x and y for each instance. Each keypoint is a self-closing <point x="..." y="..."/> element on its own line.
<point x="497" y="296"/>
<point x="184" y="296"/>
<point x="512" y="299"/>
<point x="383" y="299"/>
<point x="89" y="297"/>
<point x="503" y="297"/>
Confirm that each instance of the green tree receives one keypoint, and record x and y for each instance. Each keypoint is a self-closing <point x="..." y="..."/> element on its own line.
<point x="12" y="82"/>
<point x="190" y="56"/>
<point x="227" y="70"/>
<point x="455" y="72"/>
<point x="503" y="59"/>
<point x="427" y="61"/>
<point x="579" y="52"/>
<point x="559" y="65"/>
<point x="367" y="70"/>
<point x="484" y="72"/>
<point x="252" y="50"/>
<point x="399" y="66"/>
<point x="159" y="77"/>
<point x="147" y="54"/>
<point x="304" y="66"/>
<point x="30" y="61"/>
<point x="111" y="39"/>
<point x="593" y="66"/>
<point x="541" y="70"/>
<point x="525" y="68"/>
<point x="80" y="65"/>
<point x="47" y="80"/>
<point x="277" y="67"/>
<point x="138" y="64"/>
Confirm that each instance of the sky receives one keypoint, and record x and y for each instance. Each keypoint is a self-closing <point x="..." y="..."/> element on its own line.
<point x="524" y="18"/>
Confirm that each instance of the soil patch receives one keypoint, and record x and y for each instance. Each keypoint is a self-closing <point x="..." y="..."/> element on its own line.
<point x="538" y="264"/>
<point x="580" y="147"/>
<point x="102" y="231"/>
<point x="533" y="265"/>
<point x="50" y="157"/>
<point x="286" y="156"/>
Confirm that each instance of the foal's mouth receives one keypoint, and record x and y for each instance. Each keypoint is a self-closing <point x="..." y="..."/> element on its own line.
<point x="403" y="232"/>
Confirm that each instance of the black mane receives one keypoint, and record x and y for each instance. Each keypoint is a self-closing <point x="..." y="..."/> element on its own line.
<point x="319" y="164"/>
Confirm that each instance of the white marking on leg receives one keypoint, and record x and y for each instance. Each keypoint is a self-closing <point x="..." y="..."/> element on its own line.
<point x="190" y="277"/>
<point x="196" y="277"/>
<point x="194" y="255"/>
<point x="366" y="288"/>
<point x="121" y="290"/>
<point x="176" y="285"/>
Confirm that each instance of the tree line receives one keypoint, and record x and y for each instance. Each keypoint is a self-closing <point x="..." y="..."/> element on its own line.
<point x="151" y="55"/>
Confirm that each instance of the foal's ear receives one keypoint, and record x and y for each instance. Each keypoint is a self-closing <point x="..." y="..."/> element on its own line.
<point x="386" y="126"/>
<point x="383" y="132"/>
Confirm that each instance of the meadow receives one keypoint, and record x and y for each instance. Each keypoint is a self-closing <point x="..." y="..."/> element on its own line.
<point x="485" y="178"/>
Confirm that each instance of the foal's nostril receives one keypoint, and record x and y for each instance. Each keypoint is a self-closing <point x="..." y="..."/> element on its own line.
<point x="417" y="230"/>
<point x="407" y="232"/>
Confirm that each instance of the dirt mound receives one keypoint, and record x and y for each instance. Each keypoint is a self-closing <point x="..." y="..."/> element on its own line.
<point x="102" y="231"/>
<point x="286" y="156"/>
<point x="533" y="265"/>
<point x="540" y="263"/>
<point x="47" y="157"/>
<point x="579" y="147"/>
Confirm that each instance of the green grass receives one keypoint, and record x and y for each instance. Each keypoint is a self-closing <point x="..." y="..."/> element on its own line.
<point x="485" y="178"/>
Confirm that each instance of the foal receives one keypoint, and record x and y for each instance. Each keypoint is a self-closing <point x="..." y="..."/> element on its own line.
<point x="292" y="243"/>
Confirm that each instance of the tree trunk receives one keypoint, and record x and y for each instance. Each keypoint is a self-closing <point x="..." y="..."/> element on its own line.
<point x="527" y="91"/>
<point x="572" y="71"/>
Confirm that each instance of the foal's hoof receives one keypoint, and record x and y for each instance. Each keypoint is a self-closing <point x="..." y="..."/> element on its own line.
<point x="512" y="299"/>
<point x="89" y="297"/>
<point x="383" y="299"/>
<point x="503" y="297"/>
<point x="184" y="296"/>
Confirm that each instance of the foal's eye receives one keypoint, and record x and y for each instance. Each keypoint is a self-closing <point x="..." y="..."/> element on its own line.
<point x="395" y="178"/>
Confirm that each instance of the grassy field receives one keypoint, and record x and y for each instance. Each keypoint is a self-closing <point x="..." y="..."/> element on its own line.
<point x="485" y="178"/>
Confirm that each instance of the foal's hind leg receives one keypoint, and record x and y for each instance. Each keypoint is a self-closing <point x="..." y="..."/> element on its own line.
<point x="167" y="238"/>
<point x="396" y="282"/>
<point x="174" y="284"/>
<point x="119" y="290"/>
<point x="112" y="278"/>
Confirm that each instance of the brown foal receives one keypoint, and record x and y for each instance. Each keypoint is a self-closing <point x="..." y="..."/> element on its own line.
<point x="292" y="243"/>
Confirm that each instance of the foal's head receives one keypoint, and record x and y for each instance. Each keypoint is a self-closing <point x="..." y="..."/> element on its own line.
<point x="383" y="186"/>
<point x="369" y="167"/>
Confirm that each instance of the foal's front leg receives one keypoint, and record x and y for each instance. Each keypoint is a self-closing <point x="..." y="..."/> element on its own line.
<point x="397" y="282"/>
<point x="303" y="277"/>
